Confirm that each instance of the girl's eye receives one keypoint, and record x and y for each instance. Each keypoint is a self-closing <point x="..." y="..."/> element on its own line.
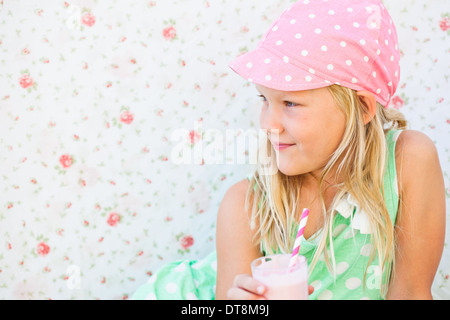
<point x="290" y="104"/>
<point x="262" y="98"/>
<point x="286" y="103"/>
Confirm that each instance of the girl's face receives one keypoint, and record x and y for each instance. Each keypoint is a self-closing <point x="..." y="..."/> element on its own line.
<point x="305" y="128"/>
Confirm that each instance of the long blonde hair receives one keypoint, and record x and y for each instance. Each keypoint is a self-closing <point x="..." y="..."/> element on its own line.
<point x="359" y="159"/>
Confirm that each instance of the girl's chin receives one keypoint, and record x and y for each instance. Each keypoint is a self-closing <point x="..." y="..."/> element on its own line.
<point x="289" y="171"/>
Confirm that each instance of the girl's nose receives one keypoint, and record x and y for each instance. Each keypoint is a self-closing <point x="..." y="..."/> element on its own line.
<point x="270" y="121"/>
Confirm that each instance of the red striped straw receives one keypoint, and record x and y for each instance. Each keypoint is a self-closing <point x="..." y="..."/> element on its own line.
<point x="298" y="239"/>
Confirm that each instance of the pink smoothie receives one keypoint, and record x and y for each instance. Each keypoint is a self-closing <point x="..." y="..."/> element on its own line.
<point x="282" y="283"/>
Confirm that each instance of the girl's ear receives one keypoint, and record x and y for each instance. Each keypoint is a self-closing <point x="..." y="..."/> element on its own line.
<point x="368" y="99"/>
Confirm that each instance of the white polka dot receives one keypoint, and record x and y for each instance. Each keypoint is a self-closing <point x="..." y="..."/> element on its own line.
<point x="374" y="74"/>
<point x="337" y="27"/>
<point x="353" y="283"/>
<point x="378" y="90"/>
<point x="293" y="21"/>
<point x="366" y="59"/>
<point x="306" y="2"/>
<point x="191" y="296"/>
<point x="286" y="59"/>
<point x="362" y="41"/>
<point x="171" y="287"/>
<point x="275" y="28"/>
<point x="304" y="53"/>
<point x="396" y="73"/>
<point x="356" y="24"/>
<point x="354" y="80"/>
<point x="343" y="44"/>
<point x="378" y="52"/>
<point x="308" y="78"/>
<point x="392" y="58"/>
<point x="350" y="9"/>
<point x="279" y="42"/>
<point x="341" y="267"/>
<point x="324" y="48"/>
<point x="365" y="250"/>
<point x="331" y="12"/>
<point x="390" y="84"/>
<point x="298" y="36"/>
<point x="268" y="77"/>
<point x="386" y="42"/>
<point x="267" y="60"/>
<point x="325" y="295"/>
<point x="348" y="62"/>
<point x="288" y="78"/>
<point x="312" y="15"/>
<point x="317" y="31"/>
<point x="330" y="67"/>
<point x="311" y="70"/>
<point x="249" y="65"/>
<point x="316" y="284"/>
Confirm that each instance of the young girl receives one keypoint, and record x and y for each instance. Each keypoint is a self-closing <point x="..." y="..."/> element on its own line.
<point x="326" y="71"/>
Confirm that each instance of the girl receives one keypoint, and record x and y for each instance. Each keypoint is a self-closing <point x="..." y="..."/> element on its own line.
<point x="326" y="71"/>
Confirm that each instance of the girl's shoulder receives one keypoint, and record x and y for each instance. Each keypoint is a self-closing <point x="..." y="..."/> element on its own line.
<point x="415" y="147"/>
<point x="232" y="211"/>
<point x="416" y="158"/>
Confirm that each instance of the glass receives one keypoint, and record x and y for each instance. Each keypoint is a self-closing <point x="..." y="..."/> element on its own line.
<point x="282" y="282"/>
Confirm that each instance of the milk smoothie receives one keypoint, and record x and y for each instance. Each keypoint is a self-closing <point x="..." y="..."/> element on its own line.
<point x="282" y="282"/>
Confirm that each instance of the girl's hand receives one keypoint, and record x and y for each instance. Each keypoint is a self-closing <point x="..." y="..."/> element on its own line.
<point x="247" y="288"/>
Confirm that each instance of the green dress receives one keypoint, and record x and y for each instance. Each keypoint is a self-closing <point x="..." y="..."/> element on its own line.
<point x="196" y="279"/>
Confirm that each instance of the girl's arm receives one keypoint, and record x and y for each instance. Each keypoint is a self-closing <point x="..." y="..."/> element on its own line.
<point x="235" y="248"/>
<point x="420" y="225"/>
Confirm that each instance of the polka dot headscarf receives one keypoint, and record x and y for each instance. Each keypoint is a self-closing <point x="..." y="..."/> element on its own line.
<point x="316" y="43"/>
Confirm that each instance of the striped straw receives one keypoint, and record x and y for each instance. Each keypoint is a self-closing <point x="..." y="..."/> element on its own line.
<point x="298" y="239"/>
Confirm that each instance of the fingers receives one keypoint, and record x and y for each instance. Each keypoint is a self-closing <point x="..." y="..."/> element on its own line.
<point x="246" y="288"/>
<point x="310" y="289"/>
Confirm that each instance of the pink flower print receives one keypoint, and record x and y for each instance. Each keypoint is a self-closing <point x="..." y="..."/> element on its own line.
<point x="26" y="81"/>
<point x="397" y="102"/>
<point x="444" y="24"/>
<point x="186" y="242"/>
<point x="66" y="160"/>
<point x="113" y="219"/>
<point x="126" y="117"/>
<point x="169" y="33"/>
<point x="42" y="249"/>
<point x="88" y="19"/>
<point x="194" y="136"/>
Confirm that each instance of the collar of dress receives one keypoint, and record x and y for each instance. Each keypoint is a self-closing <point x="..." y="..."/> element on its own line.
<point x="359" y="220"/>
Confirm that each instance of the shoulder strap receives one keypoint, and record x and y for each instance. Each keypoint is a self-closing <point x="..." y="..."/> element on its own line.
<point x="390" y="175"/>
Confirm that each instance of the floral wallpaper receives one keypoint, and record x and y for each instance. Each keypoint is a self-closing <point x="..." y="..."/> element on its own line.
<point x="120" y="126"/>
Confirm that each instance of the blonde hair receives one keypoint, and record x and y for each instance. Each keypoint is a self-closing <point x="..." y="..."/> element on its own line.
<point x="360" y="160"/>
